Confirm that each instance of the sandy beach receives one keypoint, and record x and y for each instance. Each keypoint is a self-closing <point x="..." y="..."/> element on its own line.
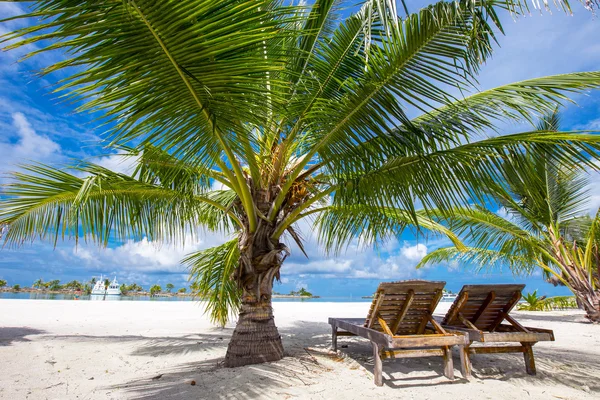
<point x="154" y="350"/>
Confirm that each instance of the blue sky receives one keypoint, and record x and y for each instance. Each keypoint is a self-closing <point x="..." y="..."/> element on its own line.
<point x="35" y="126"/>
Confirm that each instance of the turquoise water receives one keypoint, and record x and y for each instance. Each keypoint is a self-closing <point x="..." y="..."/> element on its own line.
<point x="51" y="296"/>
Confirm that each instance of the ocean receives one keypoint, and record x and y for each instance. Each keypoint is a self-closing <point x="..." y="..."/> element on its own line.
<point x="54" y="296"/>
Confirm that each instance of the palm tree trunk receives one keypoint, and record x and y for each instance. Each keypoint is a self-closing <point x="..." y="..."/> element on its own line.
<point x="255" y="338"/>
<point x="589" y="300"/>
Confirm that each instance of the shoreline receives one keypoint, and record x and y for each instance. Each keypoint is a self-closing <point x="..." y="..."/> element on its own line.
<point x="132" y="294"/>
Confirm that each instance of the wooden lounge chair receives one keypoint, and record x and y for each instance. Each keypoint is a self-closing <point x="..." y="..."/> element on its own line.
<point x="397" y="326"/>
<point x="479" y="311"/>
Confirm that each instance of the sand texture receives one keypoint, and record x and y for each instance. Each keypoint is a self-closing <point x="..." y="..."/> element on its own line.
<point x="154" y="350"/>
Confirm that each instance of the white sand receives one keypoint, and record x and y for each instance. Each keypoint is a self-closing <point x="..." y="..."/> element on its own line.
<point x="112" y="350"/>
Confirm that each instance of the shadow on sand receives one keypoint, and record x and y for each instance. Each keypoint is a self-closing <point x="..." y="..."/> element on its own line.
<point x="308" y="356"/>
<point x="8" y="335"/>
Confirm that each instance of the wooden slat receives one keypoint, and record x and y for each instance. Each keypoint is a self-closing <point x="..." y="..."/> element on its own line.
<point x="466" y="322"/>
<point x="437" y="326"/>
<point x="374" y="308"/>
<point x="402" y="312"/>
<point x="412" y="353"/>
<point x="355" y="325"/>
<point x="432" y="340"/>
<point x="385" y="326"/>
<point x="509" y="306"/>
<point x="516" y="324"/>
<point x="434" y="303"/>
<point x="495" y="349"/>
<point x="517" y="337"/>
<point x="490" y="298"/>
<point x="456" y="307"/>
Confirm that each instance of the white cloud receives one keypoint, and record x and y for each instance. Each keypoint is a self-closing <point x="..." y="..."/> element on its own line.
<point x="392" y="260"/>
<point x="118" y="163"/>
<point x="142" y="256"/>
<point x="23" y="144"/>
<point x="30" y="144"/>
<point x="594" y="190"/>
<point x="414" y="253"/>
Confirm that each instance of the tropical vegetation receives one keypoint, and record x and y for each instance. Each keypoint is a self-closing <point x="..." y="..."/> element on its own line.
<point x="3" y="283"/>
<point x="533" y="302"/>
<point x="301" y="292"/>
<point x="249" y="116"/>
<point x="543" y="224"/>
<point x="155" y="289"/>
<point x="169" y="287"/>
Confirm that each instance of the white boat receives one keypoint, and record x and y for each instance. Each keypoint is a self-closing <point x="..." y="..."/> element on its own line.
<point x="449" y="296"/>
<point x="99" y="287"/>
<point x="113" y="288"/>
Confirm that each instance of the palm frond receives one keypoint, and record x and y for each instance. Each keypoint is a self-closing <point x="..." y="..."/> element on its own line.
<point x="51" y="203"/>
<point x="205" y="62"/>
<point x="211" y="276"/>
<point x="480" y="259"/>
<point x="461" y="174"/>
<point x="339" y="226"/>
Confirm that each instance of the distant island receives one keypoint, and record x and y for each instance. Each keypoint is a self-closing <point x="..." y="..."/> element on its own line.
<point x="302" y="293"/>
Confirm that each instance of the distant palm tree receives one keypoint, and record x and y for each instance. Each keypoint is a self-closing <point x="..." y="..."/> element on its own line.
<point x="134" y="287"/>
<point x="545" y="226"/>
<point x="250" y="116"/>
<point x="2" y="283"/>
<point x="155" y="289"/>
<point x="38" y="284"/>
<point x="170" y="287"/>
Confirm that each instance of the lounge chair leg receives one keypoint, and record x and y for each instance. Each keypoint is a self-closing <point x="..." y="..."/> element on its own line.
<point x="465" y="361"/>
<point x="448" y="363"/>
<point x="334" y="337"/>
<point x="378" y="367"/>
<point x="529" y="360"/>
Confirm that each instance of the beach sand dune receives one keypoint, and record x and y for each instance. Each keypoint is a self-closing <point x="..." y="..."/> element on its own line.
<point x="154" y="350"/>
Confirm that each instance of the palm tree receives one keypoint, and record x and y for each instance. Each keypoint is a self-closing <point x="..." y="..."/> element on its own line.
<point x="38" y="284"/>
<point x="75" y="284"/>
<point x="248" y="116"/>
<point x="155" y="289"/>
<point x="134" y="287"/>
<point x="170" y="287"/>
<point x="544" y="226"/>
<point x="3" y="283"/>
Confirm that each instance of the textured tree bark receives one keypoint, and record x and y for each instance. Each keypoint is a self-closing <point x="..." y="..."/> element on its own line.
<point x="255" y="338"/>
<point x="590" y="301"/>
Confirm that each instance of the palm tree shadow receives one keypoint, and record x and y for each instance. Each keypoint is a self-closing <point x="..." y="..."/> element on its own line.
<point x="8" y="335"/>
<point x="210" y="379"/>
<point x="308" y="355"/>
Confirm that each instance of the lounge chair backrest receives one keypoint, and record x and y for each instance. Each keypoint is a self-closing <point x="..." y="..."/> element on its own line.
<point x="484" y="306"/>
<point x="403" y="308"/>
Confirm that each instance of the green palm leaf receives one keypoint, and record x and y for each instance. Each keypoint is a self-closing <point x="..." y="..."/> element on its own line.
<point x="211" y="274"/>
